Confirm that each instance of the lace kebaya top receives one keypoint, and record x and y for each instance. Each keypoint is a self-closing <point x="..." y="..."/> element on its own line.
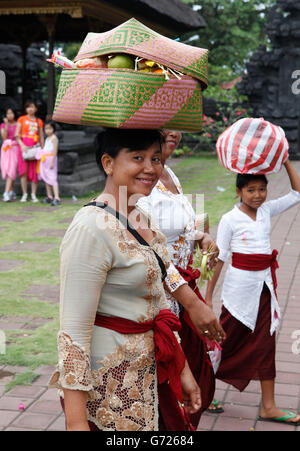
<point x="103" y="270"/>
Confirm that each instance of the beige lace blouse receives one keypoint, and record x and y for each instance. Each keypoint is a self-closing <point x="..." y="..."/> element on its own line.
<point x="104" y="271"/>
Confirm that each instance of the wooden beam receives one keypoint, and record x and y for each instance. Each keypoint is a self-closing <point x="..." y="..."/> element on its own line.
<point x="17" y="7"/>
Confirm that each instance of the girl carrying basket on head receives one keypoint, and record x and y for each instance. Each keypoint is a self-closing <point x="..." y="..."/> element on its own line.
<point x="250" y="312"/>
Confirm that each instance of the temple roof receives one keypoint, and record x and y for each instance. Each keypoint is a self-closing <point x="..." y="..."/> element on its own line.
<point x="175" y="10"/>
<point x="75" y="18"/>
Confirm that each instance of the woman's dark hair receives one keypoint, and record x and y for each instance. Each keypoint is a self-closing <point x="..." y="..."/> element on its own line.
<point x="111" y="141"/>
<point x="51" y="123"/>
<point x="243" y="180"/>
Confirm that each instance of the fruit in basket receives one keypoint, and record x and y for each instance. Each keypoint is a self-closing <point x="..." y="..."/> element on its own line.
<point x="120" y="61"/>
<point x="96" y="62"/>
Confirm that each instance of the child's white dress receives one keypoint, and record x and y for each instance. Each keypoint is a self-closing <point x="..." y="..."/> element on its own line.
<point x="250" y="311"/>
<point x="46" y="173"/>
<point x="237" y="232"/>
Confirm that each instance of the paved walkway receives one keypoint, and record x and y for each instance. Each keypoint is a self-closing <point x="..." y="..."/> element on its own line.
<point x="42" y="408"/>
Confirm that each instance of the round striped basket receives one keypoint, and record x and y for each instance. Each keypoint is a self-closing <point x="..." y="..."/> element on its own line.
<point x="253" y="146"/>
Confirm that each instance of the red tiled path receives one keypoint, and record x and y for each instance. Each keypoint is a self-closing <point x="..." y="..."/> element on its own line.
<point x="42" y="407"/>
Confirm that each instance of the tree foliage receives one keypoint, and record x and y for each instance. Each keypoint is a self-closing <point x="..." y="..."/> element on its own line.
<point x="234" y="29"/>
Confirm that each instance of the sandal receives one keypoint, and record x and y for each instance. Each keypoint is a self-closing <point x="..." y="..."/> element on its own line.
<point x="215" y="407"/>
<point x="283" y="419"/>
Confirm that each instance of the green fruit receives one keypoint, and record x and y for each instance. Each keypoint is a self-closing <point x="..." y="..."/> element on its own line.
<point x="120" y="61"/>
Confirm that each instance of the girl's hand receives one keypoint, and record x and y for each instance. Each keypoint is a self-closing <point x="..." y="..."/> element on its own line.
<point x="5" y="120"/>
<point x="190" y="391"/>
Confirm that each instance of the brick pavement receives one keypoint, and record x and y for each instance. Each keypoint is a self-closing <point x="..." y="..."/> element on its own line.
<point x="42" y="407"/>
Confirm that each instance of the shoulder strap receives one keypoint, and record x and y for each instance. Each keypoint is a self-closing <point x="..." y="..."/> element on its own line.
<point x="134" y="232"/>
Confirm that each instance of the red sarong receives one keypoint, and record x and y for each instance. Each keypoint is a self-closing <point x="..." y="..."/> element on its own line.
<point x="248" y="355"/>
<point x="195" y="348"/>
<point x="168" y="354"/>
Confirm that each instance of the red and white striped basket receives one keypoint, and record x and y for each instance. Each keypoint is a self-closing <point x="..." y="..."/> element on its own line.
<point x="253" y="146"/>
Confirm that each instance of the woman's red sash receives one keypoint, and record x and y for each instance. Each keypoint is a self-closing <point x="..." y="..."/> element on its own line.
<point x="170" y="359"/>
<point x="168" y="354"/>
<point x="257" y="262"/>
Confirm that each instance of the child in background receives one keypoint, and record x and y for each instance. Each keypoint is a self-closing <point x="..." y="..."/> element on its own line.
<point x="250" y="311"/>
<point x="29" y="132"/>
<point x="47" y="168"/>
<point x="9" y="154"/>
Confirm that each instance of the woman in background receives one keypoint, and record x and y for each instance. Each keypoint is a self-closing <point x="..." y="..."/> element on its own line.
<point x="29" y="133"/>
<point x="177" y="220"/>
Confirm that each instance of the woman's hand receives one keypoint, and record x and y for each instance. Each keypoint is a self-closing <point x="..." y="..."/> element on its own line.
<point x="75" y="410"/>
<point x="209" y="301"/>
<point x="205" y="321"/>
<point x="190" y="391"/>
<point x="79" y="427"/>
<point x="208" y="245"/>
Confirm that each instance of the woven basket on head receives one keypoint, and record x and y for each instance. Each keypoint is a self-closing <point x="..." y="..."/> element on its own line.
<point x="125" y="98"/>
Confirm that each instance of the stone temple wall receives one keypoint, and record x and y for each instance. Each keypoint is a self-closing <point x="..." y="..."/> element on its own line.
<point x="272" y="82"/>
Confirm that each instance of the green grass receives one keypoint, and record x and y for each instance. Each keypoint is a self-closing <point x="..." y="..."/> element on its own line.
<point x="33" y="348"/>
<point x="204" y="175"/>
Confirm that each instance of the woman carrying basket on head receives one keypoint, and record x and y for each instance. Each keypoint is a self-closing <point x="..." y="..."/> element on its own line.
<point x="116" y="332"/>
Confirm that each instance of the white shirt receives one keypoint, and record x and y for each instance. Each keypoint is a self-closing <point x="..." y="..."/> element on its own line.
<point x="175" y="217"/>
<point x="237" y="232"/>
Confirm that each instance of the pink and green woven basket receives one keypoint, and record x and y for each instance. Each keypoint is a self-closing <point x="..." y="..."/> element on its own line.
<point x="124" y="98"/>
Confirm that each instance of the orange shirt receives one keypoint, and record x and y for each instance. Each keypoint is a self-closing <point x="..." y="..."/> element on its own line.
<point x="30" y="128"/>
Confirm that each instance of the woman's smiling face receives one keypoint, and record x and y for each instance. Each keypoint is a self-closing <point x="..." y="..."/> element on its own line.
<point x="137" y="170"/>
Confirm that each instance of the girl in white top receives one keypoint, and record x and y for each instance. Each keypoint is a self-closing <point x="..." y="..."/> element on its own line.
<point x="250" y="312"/>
